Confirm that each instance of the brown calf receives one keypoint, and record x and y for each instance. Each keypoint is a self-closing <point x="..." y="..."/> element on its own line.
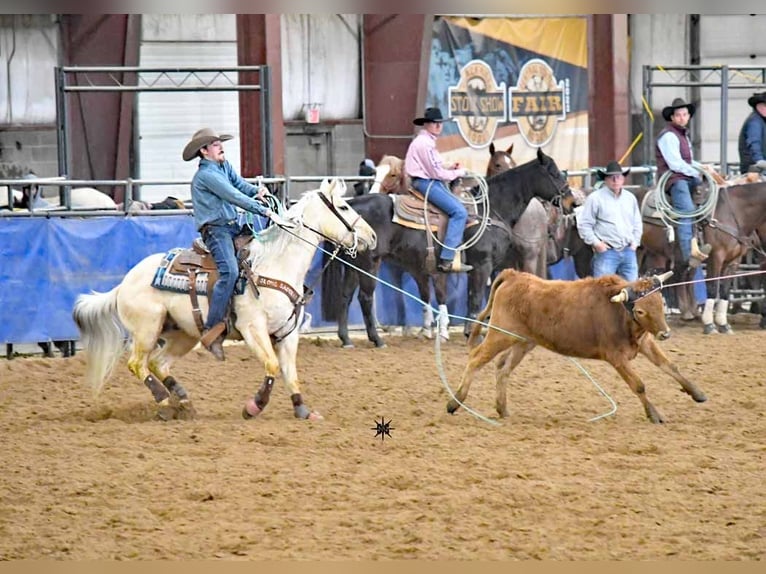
<point x="605" y="318"/>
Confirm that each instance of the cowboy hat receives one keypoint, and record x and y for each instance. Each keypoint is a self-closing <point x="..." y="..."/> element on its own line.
<point x="200" y="139"/>
<point x="612" y="168"/>
<point x="756" y="99"/>
<point x="432" y="115"/>
<point x="677" y="104"/>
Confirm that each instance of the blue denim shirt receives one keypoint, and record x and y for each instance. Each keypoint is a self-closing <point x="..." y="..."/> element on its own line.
<point x="216" y="189"/>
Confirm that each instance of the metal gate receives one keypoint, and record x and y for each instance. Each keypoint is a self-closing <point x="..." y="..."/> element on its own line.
<point x="73" y="79"/>
<point x="725" y="78"/>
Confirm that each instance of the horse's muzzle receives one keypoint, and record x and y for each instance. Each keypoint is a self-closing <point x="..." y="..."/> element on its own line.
<point x="662" y="335"/>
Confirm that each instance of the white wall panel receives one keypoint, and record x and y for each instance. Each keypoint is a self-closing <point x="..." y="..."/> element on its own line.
<point x="729" y="39"/>
<point x="28" y="57"/>
<point x="320" y="64"/>
<point x="167" y="120"/>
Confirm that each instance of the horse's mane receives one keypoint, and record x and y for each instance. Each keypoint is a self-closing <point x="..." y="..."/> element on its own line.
<point x="275" y="240"/>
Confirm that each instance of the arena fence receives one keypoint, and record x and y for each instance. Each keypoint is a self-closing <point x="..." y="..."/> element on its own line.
<point x="49" y="257"/>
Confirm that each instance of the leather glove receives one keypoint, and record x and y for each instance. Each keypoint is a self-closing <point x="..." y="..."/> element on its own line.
<point x="761" y="164"/>
<point x="279" y="220"/>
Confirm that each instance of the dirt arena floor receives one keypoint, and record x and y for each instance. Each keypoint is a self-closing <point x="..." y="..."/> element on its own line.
<point x="86" y="478"/>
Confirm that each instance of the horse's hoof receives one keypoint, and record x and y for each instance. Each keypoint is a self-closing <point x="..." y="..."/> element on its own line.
<point x="380" y="344"/>
<point x="452" y="407"/>
<point x="725" y="329"/>
<point x="165" y="413"/>
<point x="709" y="329"/>
<point x="186" y="411"/>
<point x="347" y="346"/>
<point x="250" y="410"/>
<point x="762" y="324"/>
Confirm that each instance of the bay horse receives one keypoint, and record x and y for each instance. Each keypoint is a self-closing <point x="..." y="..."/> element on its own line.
<point x="161" y="326"/>
<point x="740" y="213"/>
<point x="509" y="193"/>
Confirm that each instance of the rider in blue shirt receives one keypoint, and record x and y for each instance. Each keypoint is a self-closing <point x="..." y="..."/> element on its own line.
<point x="216" y="191"/>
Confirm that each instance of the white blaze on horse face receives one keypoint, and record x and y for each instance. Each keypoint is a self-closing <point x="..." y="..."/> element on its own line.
<point x="381" y="172"/>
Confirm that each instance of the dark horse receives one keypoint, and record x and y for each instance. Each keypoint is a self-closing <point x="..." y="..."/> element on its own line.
<point x="509" y="193"/>
<point x="740" y="214"/>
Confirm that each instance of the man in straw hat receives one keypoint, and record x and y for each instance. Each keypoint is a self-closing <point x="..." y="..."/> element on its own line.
<point x="673" y="152"/>
<point x="610" y="222"/>
<point x="752" y="136"/>
<point x="216" y="190"/>
<point x="426" y="168"/>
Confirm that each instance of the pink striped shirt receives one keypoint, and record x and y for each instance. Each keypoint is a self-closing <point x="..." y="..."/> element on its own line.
<point x="423" y="160"/>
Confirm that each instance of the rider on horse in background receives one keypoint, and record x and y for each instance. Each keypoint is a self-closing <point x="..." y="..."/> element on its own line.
<point x="216" y="190"/>
<point x="752" y="136"/>
<point x="674" y="153"/>
<point x="424" y="165"/>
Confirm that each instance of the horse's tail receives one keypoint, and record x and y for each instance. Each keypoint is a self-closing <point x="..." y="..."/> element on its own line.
<point x="102" y="334"/>
<point x="332" y="287"/>
<point x="485" y="313"/>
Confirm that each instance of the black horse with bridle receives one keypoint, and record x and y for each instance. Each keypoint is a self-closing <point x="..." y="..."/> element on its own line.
<point x="509" y="193"/>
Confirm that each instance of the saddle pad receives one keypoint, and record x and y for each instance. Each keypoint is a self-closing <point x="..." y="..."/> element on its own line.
<point x="164" y="280"/>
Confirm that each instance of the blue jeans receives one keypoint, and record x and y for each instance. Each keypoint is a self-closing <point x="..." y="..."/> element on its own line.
<point x="681" y="199"/>
<point x="220" y="240"/>
<point x="611" y="261"/>
<point x="441" y="197"/>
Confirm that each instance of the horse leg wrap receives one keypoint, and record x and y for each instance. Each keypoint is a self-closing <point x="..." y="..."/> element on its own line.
<point x="175" y="387"/>
<point x="721" y="307"/>
<point x="301" y="411"/>
<point x="707" y="312"/>
<point x="159" y="392"/>
<point x="263" y="394"/>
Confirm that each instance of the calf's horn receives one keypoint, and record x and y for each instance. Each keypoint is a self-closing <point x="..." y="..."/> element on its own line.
<point x="664" y="277"/>
<point x="621" y="297"/>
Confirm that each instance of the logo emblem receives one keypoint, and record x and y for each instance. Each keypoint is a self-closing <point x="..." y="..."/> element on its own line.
<point x="538" y="102"/>
<point x="477" y="103"/>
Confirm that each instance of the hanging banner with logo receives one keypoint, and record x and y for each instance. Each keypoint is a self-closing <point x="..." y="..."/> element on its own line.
<point x="520" y="82"/>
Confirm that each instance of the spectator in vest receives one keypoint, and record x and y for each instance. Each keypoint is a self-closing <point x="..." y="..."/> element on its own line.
<point x="674" y="154"/>
<point x="610" y="222"/>
<point x="752" y="136"/>
<point x="426" y="168"/>
<point x="217" y="190"/>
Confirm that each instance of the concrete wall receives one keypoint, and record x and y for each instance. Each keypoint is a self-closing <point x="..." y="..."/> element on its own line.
<point x="322" y="149"/>
<point x="24" y="150"/>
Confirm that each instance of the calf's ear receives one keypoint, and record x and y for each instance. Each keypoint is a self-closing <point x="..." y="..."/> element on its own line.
<point x="621" y="297"/>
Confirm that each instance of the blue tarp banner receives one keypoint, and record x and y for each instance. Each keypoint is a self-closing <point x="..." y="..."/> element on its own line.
<point x="45" y="263"/>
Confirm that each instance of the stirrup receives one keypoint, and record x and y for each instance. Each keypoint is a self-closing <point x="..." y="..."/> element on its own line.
<point x="702" y="252"/>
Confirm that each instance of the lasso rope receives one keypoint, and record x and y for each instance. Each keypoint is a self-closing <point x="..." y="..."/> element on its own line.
<point x="480" y="198"/>
<point x="439" y="362"/>
<point x="672" y="217"/>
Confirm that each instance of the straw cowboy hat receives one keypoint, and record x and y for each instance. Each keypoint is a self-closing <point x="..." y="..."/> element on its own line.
<point x="678" y="103"/>
<point x="432" y="115"/>
<point x="756" y="99"/>
<point x="200" y="139"/>
<point x="612" y="168"/>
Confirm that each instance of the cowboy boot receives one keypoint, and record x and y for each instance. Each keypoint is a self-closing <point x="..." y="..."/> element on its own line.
<point x="454" y="266"/>
<point x="212" y="339"/>
<point x="698" y="254"/>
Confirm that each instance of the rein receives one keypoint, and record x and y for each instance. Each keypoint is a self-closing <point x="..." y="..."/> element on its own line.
<point x="299" y="301"/>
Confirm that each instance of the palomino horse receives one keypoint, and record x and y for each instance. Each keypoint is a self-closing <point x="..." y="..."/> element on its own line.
<point x="509" y="193"/>
<point x="265" y="318"/>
